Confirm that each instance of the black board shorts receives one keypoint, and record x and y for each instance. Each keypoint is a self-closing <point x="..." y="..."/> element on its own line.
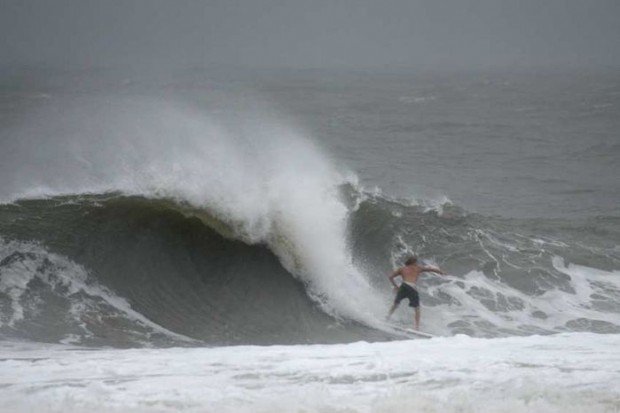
<point x="407" y="291"/>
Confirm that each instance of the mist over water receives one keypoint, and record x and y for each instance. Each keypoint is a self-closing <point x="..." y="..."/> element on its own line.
<point x="521" y="145"/>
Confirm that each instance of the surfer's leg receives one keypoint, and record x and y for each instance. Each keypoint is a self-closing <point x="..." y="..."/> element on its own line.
<point x="417" y="318"/>
<point x="400" y="295"/>
<point x="394" y="306"/>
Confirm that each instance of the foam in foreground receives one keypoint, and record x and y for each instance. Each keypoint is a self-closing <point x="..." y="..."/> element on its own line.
<point x="572" y="372"/>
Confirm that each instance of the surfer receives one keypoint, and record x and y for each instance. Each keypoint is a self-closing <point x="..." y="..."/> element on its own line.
<point x="409" y="274"/>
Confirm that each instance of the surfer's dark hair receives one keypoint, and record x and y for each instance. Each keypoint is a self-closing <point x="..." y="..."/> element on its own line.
<point x="411" y="260"/>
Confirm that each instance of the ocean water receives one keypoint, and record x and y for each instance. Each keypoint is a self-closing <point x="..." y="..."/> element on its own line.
<point x="221" y="242"/>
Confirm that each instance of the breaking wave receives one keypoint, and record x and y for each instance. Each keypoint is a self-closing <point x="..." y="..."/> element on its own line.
<point x="140" y="223"/>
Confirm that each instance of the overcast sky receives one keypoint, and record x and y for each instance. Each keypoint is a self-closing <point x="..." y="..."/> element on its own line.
<point x="311" y="33"/>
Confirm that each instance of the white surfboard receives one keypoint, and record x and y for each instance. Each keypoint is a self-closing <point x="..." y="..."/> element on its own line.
<point x="411" y="331"/>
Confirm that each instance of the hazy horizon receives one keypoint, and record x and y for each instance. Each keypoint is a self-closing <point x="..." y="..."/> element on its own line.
<point x="340" y="35"/>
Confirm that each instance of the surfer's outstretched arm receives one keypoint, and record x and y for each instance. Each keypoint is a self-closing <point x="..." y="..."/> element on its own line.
<point x="433" y="269"/>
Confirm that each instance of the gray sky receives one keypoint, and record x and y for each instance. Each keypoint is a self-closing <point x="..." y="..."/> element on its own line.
<point x="311" y="33"/>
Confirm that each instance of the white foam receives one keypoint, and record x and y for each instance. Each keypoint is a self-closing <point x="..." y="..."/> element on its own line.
<point x="62" y="275"/>
<point x="564" y="373"/>
<point x="558" y="306"/>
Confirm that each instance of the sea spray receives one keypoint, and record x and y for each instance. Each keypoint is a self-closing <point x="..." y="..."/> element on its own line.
<point x="257" y="174"/>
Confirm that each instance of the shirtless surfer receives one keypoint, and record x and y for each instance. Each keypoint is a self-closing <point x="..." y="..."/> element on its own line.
<point x="409" y="274"/>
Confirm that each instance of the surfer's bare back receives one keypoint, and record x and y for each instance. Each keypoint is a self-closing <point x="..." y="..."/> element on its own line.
<point x="409" y="274"/>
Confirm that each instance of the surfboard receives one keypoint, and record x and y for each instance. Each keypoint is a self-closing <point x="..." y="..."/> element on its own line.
<point x="411" y="331"/>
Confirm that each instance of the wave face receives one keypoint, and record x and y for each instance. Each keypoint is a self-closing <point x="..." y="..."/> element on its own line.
<point x="148" y="275"/>
<point x="129" y="222"/>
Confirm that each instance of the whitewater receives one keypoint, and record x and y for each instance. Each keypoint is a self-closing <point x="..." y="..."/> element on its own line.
<point x="563" y="373"/>
<point x="213" y="254"/>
